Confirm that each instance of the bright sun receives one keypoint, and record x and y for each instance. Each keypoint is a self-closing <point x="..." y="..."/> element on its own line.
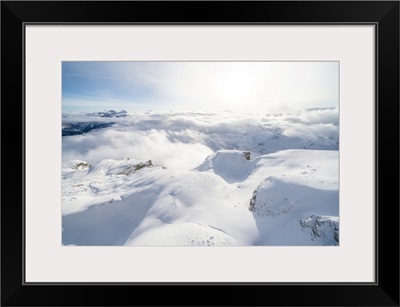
<point x="237" y="88"/>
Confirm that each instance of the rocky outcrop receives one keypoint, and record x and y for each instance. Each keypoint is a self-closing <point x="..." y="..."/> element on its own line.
<point x="246" y="154"/>
<point x="110" y="113"/>
<point x="81" y="166"/>
<point x="266" y="201"/>
<point x="135" y="167"/>
<point x="324" y="229"/>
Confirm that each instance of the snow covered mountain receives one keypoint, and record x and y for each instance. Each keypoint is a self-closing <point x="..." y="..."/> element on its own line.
<point x="286" y="198"/>
<point x="110" y="113"/>
<point x="82" y="127"/>
<point x="202" y="179"/>
<point x="89" y="122"/>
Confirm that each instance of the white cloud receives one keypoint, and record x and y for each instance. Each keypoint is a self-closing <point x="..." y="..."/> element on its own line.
<point x="184" y="140"/>
<point x="141" y="145"/>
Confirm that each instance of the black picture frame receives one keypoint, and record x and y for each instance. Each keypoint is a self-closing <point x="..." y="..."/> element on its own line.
<point x="383" y="14"/>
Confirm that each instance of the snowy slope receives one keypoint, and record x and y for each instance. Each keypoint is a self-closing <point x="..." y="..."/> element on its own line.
<point x="285" y="198"/>
<point x="200" y="178"/>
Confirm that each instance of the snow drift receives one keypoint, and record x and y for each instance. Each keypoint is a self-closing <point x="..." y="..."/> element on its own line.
<point x="286" y="198"/>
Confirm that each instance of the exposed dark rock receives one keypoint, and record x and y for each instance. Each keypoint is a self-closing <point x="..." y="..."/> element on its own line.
<point x="322" y="228"/>
<point x="246" y="154"/>
<point x="82" y="166"/>
<point x="109" y="113"/>
<point x="135" y="167"/>
<point x="265" y="203"/>
<point x="142" y="165"/>
<point x="82" y="127"/>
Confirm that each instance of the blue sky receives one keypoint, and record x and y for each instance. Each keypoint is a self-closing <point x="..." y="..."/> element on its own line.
<point x="210" y="86"/>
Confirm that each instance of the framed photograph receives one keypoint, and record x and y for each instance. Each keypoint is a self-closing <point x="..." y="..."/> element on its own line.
<point x="238" y="147"/>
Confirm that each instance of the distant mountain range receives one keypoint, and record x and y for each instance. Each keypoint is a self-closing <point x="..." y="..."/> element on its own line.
<point x="110" y="113"/>
<point x="82" y="127"/>
<point x="79" y="127"/>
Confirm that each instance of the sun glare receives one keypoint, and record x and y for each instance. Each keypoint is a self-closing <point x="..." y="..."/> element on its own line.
<point x="237" y="88"/>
